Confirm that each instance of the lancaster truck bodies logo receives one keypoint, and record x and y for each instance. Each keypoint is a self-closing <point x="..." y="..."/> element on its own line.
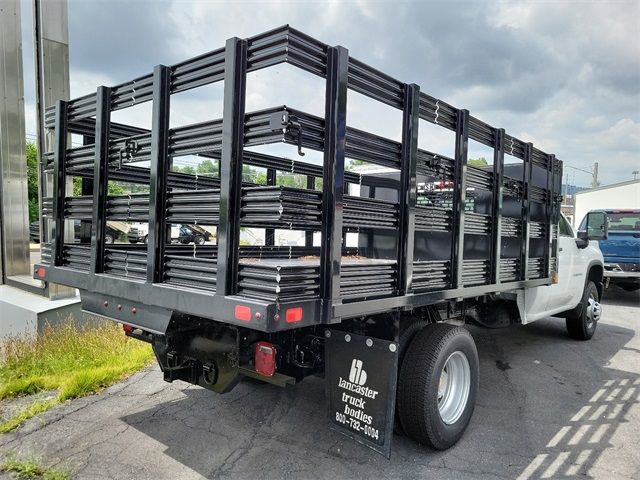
<point x="361" y="379"/>
<point x="355" y="401"/>
<point x="357" y="374"/>
<point x="357" y="379"/>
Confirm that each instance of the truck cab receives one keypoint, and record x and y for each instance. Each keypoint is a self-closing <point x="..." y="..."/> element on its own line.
<point x="621" y="249"/>
<point x="574" y="294"/>
<point x="580" y="261"/>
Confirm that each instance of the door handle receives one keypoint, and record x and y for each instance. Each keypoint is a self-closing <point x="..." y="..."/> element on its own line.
<point x="560" y="249"/>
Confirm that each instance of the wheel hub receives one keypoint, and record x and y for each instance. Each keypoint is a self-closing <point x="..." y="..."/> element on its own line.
<point x="453" y="387"/>
<point x="594" y="311"/>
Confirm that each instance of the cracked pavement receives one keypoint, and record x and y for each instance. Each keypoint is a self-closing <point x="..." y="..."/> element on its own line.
<point x="548" y="407"/>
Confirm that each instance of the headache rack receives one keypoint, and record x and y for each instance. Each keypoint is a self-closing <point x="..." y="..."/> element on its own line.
<point x="447" y="230"/>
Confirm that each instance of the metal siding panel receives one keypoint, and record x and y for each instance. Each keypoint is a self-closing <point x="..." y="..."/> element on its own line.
<point x="56" y="14"/>
<point x="53" y="68"/>
<point x="14" y="199"/>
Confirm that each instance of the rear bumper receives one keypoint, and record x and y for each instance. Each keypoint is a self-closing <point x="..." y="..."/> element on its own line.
<point x="150" y="306"/>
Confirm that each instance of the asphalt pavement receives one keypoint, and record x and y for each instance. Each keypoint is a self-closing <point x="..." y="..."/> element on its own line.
<point x="548" y="407"/>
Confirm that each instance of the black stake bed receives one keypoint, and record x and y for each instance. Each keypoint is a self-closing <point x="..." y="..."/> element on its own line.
<point x="424" y="228"/>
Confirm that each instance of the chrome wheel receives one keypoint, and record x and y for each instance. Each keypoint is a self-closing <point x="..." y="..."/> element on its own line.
<point x="454" y="387"/>
<point x="594" y="310"/>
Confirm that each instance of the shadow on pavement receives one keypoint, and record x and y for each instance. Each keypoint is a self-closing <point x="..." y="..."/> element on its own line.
<point x="548" y="407"/>
<point x="614" y="295"/>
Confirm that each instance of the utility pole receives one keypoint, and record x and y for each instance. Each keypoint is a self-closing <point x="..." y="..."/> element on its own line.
<point x="595" y="175"/>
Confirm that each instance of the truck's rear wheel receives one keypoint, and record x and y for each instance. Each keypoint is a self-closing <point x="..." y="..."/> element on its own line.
<point x="404" y="341"/>
<point x="438" y="385"/>
<point x="582" y="325"/>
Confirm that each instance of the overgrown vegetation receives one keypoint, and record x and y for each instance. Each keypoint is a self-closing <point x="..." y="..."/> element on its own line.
<point x="32" y="469"/>
<point x="70" y="361"/>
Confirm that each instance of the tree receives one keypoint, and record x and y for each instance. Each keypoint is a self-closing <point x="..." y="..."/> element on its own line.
<point x="477" y="162"/>
<point x="354" y="163"/>
<point x="186" y="169"/>
<point x="32" y="180"/>
<point x="112" y="187"/>
<point x="115" y="188"/>
<point x="208" y="167"/>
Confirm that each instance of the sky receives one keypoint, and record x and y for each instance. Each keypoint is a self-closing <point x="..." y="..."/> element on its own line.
<point x="564" y="75"/>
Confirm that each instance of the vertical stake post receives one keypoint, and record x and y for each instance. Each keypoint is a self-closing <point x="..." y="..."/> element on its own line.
<point x="333" y="177"/>
<point x="407" y="195"/>
<point x="460" y="197"/>
<point x="100" y="178"/>
<point x="59" y="183"/>
<point x="526" y="213"/>
<point x="158" y="170"/>
<point x="235" y="72"/>
<point x="308" y="236"/>
<point x="496" y="204"/>
<point x="550" y="213"/>
<point x="269" y="234"/>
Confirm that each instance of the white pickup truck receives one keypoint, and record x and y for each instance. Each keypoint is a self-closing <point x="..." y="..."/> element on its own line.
<point x="575" y="293"/>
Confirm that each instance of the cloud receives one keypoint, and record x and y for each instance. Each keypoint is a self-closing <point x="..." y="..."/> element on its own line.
<point x="565" y="75"/>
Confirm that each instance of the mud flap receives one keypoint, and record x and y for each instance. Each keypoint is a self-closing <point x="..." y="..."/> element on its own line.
<point x="361" y="376"/>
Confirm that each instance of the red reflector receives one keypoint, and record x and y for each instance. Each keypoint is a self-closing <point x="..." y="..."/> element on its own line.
<point x="243" y="313"/>
<point x="127" y="328"/>
<point x="265" y="359"/>
<point x="41" y="272"/>
<point x="293" y="315"/>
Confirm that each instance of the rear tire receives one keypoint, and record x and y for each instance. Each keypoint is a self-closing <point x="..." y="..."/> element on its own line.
<point x="438" y="385"/>
<point x="405" y="339"/>
<point x="199" y="240"/>
<point x="582" y="325"/>
<point x="108" y="238"/>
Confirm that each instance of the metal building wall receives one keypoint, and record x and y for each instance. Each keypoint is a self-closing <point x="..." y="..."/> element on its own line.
<point x="14" y="211"/>
<point x="51" y="43"/>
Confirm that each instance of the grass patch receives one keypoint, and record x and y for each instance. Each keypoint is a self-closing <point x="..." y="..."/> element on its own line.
<point x="32" y="469"/>
<point x="72" y="361"/>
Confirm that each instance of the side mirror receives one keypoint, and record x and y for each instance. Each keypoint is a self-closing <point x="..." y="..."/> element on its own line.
<point x="597" y="227"/>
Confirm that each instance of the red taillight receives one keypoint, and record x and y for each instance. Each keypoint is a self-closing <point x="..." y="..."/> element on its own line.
<point x="127" y="328"/>
<point x="40" y="272"/>
<point x="293" y="315"/>
<point x="265" y="359"/>
<point x="243" y="313"/>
